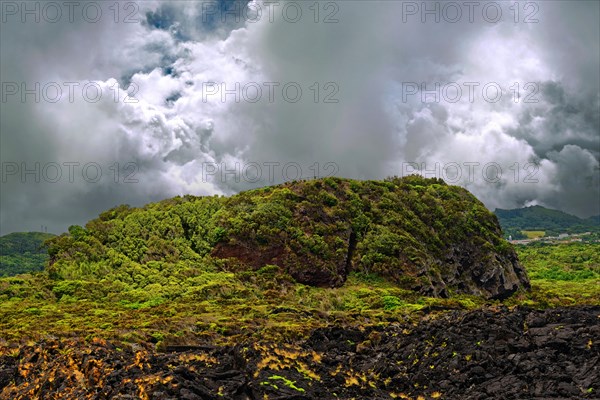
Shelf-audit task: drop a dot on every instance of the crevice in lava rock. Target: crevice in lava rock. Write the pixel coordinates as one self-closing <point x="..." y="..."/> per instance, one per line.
<point x="351" y="248"/>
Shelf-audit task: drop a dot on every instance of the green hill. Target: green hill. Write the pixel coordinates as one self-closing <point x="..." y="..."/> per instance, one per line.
<point x="594" y="220"/>
<point x="538" y="218"/>
<point x="23" y="252"/>
<point x="420" y="234"/>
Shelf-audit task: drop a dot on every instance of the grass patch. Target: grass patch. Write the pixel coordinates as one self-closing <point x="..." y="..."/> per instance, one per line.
<point x="534" y="234"/>
<point x="578" y="262"/>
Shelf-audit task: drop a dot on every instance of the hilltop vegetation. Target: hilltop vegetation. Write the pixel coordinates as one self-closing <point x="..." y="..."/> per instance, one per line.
<point x="420" y="234"/>
<point x="23" y="252"/>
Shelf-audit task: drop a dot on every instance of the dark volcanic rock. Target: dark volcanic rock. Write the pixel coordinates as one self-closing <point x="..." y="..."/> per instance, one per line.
<point x="496" y="277"/>
<point x="486" y="354"/>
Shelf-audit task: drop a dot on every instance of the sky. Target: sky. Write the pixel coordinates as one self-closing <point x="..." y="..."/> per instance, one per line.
<point x="105" y="103"/>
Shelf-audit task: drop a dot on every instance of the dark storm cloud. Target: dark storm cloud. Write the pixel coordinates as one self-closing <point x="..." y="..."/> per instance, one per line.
<point x="566" y="119"/>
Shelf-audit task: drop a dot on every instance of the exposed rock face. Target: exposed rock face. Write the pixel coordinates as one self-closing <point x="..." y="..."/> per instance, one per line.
<point x="494" y="277"/>
<point x="422" y="234"/>
<point x="484" y="354"/>
<point x="281" y="248"/>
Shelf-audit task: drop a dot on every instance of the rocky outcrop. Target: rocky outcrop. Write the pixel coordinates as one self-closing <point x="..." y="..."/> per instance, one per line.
<point x="420" y="233"/>
<point x="495" y="277"/>
<point x="485" y="354"/>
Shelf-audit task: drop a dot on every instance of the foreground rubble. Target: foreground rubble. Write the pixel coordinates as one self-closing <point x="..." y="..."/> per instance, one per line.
<point x="484" y="354"/>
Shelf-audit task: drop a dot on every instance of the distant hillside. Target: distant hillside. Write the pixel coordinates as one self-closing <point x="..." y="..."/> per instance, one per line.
<point x="418" y="233"/>
<point x="538" y="218"/>
<point x="23" y="252"/>
<point x="595" y="220"/>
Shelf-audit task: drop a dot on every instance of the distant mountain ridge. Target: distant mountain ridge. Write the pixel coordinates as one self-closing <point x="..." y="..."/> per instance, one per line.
<point x="538" y="218"/>
<point x="594" y="219"/>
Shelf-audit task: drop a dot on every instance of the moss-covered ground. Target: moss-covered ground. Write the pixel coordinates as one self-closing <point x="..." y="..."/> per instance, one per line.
<point x="231" y="307"/>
